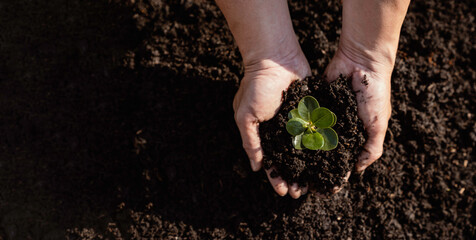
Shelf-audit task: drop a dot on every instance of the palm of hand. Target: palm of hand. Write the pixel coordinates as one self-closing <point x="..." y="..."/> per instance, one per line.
<point x="257" y="100"/>
<point x="371" y="83"/>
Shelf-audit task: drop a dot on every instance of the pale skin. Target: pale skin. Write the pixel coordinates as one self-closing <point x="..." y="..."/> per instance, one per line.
<point x="273" y="59"/>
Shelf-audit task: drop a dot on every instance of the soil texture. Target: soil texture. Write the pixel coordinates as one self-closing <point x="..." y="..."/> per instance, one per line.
<point x="323" y="170"/>
<point x="116" y="122"/>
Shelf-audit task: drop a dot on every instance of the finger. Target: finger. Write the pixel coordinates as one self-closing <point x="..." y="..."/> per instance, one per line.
<point x="304" y="190"/>
<point x="373" y="148"/>
<point x="347" y="176"/>
<point x="279" y="185"/>
<point x="248" y="127"/>
<point x="331" y="73"/>
<point x="336" y="68"/>
<point x="294" y="191"/>
<point x="339" y="188"/>
<point x="236" y="100"/>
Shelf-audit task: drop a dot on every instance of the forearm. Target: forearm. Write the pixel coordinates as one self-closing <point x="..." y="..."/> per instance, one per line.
<point x="373" y="25"/>
<point x="260" y="27"/>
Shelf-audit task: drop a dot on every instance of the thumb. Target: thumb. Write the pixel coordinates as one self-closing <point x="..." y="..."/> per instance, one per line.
<point x="248" y="126"/>
<point x="336" y="67"/>
<point x="373" y="147"/>
<point x="331" y="73"/>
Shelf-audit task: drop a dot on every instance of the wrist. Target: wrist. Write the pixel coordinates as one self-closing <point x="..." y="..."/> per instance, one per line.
<point x="264" y="35"/>
<point x="272" y="46"/>
<point x="371" y="30"/>
<point x="375" y="56"/>
<point x="286" y="56"/>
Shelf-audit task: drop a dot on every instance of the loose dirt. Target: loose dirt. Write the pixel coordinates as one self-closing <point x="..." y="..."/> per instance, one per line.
<point x="324" y="170"/>
<point x="116" y="122"/>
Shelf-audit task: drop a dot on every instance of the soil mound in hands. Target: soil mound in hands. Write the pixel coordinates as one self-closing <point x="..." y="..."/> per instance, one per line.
<point x="322" y="169"/>
<point x="117" y="123"/>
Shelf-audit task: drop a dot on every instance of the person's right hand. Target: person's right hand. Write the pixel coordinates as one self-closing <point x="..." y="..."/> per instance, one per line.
<point x="367" y="50"/>
<point x="371" y="84"/>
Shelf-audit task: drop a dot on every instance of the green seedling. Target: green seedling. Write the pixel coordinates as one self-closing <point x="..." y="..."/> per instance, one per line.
<point x="311" y="126"/>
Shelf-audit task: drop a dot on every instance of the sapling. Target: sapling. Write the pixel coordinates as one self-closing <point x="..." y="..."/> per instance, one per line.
<point x="311" y="126"/>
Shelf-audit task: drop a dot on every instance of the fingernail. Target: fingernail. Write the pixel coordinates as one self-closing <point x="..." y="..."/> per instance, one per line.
<point x="281" y="190"/>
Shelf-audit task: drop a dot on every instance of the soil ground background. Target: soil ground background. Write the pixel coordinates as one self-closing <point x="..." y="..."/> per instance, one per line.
<point x="116" y="122"/>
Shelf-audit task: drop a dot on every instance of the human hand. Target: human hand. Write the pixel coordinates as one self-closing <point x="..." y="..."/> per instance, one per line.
<point x="367" y="50"/>
<point x="371" y="84"/>
<point x="258" y="99"/>
<point x="273" y="59"/>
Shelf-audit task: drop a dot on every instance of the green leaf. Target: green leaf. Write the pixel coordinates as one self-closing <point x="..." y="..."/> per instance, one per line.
<point x="330" y="138"/>
<point x="322" y="117"/>
<point x="297" y="141"/>
<point x="313" y="141"/>
<point x="335" y="120"/>
<point x="296" y="126"/>
<point x="293" y="114"/>
<point x="306" y="106"/>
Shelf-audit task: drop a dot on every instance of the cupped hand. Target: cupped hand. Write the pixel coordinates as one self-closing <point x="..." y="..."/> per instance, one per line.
<point x="258" y="99"/>
<point x="371" y="84"/>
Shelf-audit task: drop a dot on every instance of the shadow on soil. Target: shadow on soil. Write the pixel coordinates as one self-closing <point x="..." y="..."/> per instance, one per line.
<point x="85" y="140"/>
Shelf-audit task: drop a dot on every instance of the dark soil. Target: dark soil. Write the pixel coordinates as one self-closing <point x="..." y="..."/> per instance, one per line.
<point x="116" y="123"/>
<point x="324" y="170"/>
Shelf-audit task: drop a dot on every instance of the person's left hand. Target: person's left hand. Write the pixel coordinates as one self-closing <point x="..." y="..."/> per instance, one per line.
<point x="257" y="100"/>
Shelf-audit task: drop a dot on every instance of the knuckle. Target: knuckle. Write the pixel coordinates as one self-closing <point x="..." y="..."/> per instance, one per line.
<point x="381" y="126"/>
<point x="377" y="155"/>
<point x="371" y="154"/>
<point x="378" y="130"/>
<point x="239" y="117"/>
<point x="242" y="121"/>
<point x="247" y="145"/>
<point x="242" y="118"/>
<point x="374" y="155"/>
